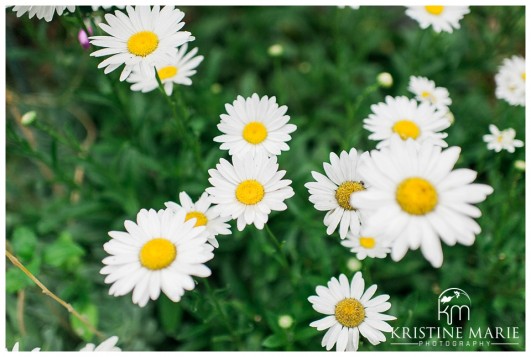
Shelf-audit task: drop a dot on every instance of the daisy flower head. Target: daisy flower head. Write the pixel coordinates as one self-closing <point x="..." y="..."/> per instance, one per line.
<point x="404" y="118"/>
<point x="204" y="215"/>
<point x="366" y="246"/>
<point x="351" y="311"/>
<point x="109" y="345"/>
<point x="45" y="12"/>
<point x="332" y="192"/>
<point x="175" y="70"/>
<point x="499" y="140"/>
<point x="255" y="125"/>
<point x="249" y="189"/>
<point x="417" y="198"/>
<point x="510" y="81"/>
<point x="160" y="252"/>
<point x="16" y="348"/>
<point x="141" y="39"/>
<point x="426" y="91"/>
<point x="441" y="18"/>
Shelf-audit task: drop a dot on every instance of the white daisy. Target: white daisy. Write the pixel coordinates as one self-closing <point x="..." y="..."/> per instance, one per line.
<point x="109" y="345"/>
<point x="510" y="81"/>
<point x="416" y="198"/>
<point x="332" y="192"/>
<point x="426" y="91"/>
<point x="106" y="7"/>
<point x="204" y="215"/>
<point x="498" y="140"/>
<point x="255" y="125"/>
<point x="45" y="12"/>
<point x="366" y="246"/>
<point x="249" y="189"/>
<point x="351" y="310"/>
<point x="16" y="348"/>
<point x="159" y="252"/>
<point x="405" y="118"/>
<point x="441" y="18"/>
<point x="143" y="38"/>
<point x="177" y="69"/>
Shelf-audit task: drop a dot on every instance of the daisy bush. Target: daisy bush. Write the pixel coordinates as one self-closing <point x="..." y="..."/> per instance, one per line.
<point x="261" y="178"/>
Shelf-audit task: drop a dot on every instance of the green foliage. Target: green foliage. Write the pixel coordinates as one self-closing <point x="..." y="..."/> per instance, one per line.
<point x="98" y="152"/>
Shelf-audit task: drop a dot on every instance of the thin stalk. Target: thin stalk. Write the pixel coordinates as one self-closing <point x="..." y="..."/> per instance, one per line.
<point x="47" y="292"/>
<point x="352" y="110"/>
<point x="223" y="314"/>
<point x="185" y="132"/>
<point x="81" y="22"/>
<point x="278" y="247"/>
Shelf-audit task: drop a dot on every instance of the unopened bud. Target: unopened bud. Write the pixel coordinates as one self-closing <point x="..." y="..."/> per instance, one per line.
<point x="275" y="50"/>
<point x="285" y="321"/>
<point x="28" y="118"/>
<point x="385" y="80"/>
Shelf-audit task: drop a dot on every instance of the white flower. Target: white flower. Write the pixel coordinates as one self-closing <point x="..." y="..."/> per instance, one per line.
<point x="498" y="140"/>
<point x="106" y="7"/>
<point x="510" y="81"/>
<point x="441" y="18"/>
<point x="16" y="348"/>
<point x="143" y="38"/>
<point x="426" y="91"/>
<point x="365" y="246"/>
<point x="109" y="345"/>
<point x="45" y="12"/>
<point x="405" y="118"/>
<point x="159" y="252"/>
<point x="416" y="198"/>
<point x="176" y="69"/>
<point x="204" y="215"/>
<point x="255" y="125"/>
<point x="332" y="192"/>
<point x="249" y="190"/>
<point x="351" y="310"/>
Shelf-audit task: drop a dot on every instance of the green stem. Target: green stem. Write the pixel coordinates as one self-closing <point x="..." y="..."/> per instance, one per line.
<point x="185" y="132"/>
<point x="283" y="258"/>
<point x="81" y="22"/>
<point x="223" y="314"/>
<point x="352" y="110"/>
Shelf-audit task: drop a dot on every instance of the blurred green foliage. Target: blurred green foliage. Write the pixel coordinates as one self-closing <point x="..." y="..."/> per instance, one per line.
<point x="98" y="152"/>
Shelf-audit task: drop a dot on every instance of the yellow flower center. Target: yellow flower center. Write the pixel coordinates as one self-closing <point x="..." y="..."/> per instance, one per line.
<point x="499" y="138"/>
<point x="406" y="129"/>
<point x="142" y="43"/>
<point x="425" y="94"/>
<point x="344" y="191"/>
<point x="523" y="76"/>
<point x="367" y="242"/>
<point x="350" y="312"/>
<point x="255" y="132"/>
<point x="250" y="192"/>
<point x="158" y="253"/>
<point x="167" y="72"/>
<point x="434" y="9"/>
<point x="201" y="219"/>
<point x="416" y="196"/>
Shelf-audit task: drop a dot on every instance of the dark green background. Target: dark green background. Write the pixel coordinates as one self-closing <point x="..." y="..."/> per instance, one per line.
<point x="136" y="160"/>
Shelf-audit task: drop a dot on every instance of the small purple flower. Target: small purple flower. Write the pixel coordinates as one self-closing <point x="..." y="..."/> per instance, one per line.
<point x="83" y="38"/>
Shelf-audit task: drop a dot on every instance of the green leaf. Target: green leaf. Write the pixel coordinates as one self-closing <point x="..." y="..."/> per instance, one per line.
<point x="24" y="243"/>
<point x="90" y="312"/>
<point x="275" y="341"/>
<point x="63" y="253"/>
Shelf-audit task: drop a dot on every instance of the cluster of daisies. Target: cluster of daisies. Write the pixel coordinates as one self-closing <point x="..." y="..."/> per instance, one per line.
<point x="405" y="194"/>
<point x="109" y="345"/>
